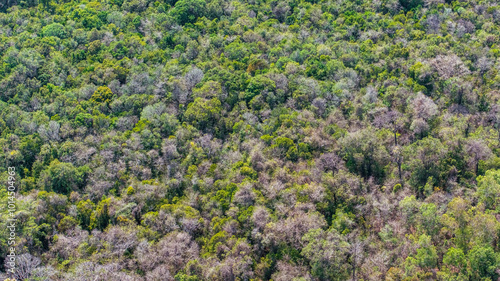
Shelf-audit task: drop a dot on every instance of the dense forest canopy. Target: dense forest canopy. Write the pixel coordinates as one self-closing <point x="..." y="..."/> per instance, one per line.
<point x="251" y="139"/>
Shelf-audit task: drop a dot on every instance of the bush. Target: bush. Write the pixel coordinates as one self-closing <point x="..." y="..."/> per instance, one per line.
<point x="55" y="29"/>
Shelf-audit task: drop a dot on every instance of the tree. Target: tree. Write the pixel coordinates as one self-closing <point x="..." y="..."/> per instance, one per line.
<point x="455" y="261"/>
<point x="26" y="264"/>
<point x="429" y="219"/>
<point x="258" y="85"/>
<point x="457" y="218"/>
<point x="327" y="253"/>
<point x="422" y="73"/>
<point x="356" y="254"/>
<point x="397" y="156"/>
<point x="421" y="158"/>
<point x="30" y="147"/>
<point x="459" y="91"/>
<point x="364" y="153"/>
<point x="410" y="4"/>
<point x="203" y="113"/>
<point x="50" y="132"/>
<point x="100" y="218"/>
<point x="103" y="94"/>
<point x="483" y="263"/>
<point x="477" y="151"/>
<point x="187" y="11"/>
<point x="62" y="177"/>
<point x="426" y="256"/>
<point x="391" y="119"/>
<point x="448" y="66"/>
<point x="493" y="117"/>
<point x="84" y="212"/>
<point x="424" y="107"/>
<point x="488" y="188"/>
<point x="55" y="29"/>
<point x="209" y="90"/>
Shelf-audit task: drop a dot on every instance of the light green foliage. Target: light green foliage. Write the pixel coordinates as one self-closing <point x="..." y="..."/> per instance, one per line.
<point x="102" y="95"/>
<point x="456" y="262"/>
<point x="203" y="113"/>
<point x="100" y="218"/>
<point x="483" y="263"/>
<point x="55" y="29"/>
<point x="85" y="209"/>
<point x="488" y="188"/>
<point x="426" y="256"/>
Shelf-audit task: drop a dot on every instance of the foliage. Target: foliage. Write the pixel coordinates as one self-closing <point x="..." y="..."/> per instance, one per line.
<point x="251" y="140"/>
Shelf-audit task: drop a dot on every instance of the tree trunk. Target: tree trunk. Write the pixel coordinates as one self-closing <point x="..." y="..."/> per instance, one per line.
<point x="400" y="174"/>
<point x="354" y="268"/>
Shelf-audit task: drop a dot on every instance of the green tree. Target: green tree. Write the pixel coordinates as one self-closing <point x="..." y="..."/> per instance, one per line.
<point x="202" y="113"/>
<point x="84" y="212"/>
<point x="455" y="260"/>
<point x="100" y="218"/>
<point x="62" y="177"/>
<point x="327" y="253"/>
<point x="55" y="29"/>
<point x="488" y="188"/>
<point x="483" y="263"/>
<point x="187" y="11"/>
<point x="365" y="154"/>
<point x="426" y="256"/>
<point x="103" y="94"/>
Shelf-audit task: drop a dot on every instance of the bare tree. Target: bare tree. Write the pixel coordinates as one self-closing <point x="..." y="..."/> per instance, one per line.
<point x="25" y="265"/>
<point x="424" y="107"/>
<point x="356" y="252"/>
<point x="160" y="273"/>
<point x="193" y="77"/>
<point x="43" y="273"/>
<point x="477" y="150"/>
<point x="493" y="117"/>
<point x="287" y="271"/>
<point x="449" y="66"/>
<point x="392" y="120"/>
<point x="397" y="156"/>
<point x="329" y="162"/>
<point x="50" y="132"/>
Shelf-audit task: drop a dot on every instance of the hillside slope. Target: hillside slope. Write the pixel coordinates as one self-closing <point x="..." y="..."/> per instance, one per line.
<point x="251" y="140"/>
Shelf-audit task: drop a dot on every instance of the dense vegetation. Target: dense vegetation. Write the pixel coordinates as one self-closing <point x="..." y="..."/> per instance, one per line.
<point x="252" y="140"/>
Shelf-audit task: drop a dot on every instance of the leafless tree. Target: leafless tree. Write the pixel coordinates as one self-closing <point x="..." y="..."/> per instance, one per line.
<point x="244" y="196"/>
<point x="329" y="162"/>
<point x="25" y="265"/>
<point x="160" y="273"/>
<point x="392" y="120"/>
<point x="175" y="250"/>
<point x="419" y="127"/>
<point x="433" y="23"/>
<point x="449" y="66"/>
<point x="291" y="229"/>
<point x="477" y="150"/>
<point x="287" y="271"/>
<point x="193" y="77"/>
<point x="493" y="117"/>
<point x="424" y="107"/>
<point x="44" y="273"/>
<point x="397" y="156"/>
<point x="50" y="132"/>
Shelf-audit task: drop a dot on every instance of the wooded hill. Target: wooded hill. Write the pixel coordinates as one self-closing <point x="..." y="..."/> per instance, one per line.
<point x="252" y="140"/>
